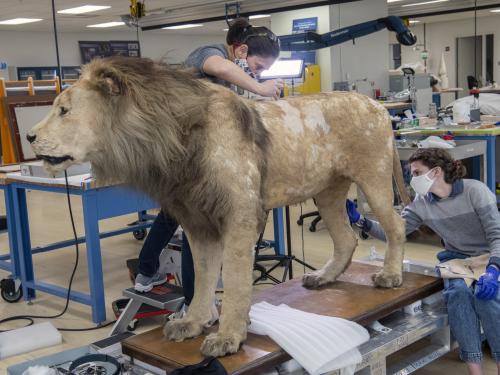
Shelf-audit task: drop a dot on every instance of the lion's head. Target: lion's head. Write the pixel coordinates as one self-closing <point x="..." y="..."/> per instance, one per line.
<point x="70" y="131"/>
<point x="121" y="114"/>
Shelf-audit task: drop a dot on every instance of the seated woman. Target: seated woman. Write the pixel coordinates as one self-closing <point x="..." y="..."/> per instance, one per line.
<point x="464" y="214"/>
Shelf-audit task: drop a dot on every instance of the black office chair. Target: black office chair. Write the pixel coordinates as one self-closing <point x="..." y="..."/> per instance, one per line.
<point x="317" y="219"/>
<point x="472" y="82"/>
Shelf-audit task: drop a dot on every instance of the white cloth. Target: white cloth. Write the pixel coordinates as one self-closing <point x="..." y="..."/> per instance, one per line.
<point x="40" y="370"/>
<point x="489" y="104"/>
<point x="319" y="343"/>
<point x="435" y="142"/>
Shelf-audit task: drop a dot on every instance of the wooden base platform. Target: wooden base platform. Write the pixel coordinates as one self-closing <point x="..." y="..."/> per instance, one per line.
<point x="352" y="297"/>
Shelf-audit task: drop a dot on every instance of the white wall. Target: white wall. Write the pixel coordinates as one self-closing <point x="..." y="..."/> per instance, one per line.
<point x="440" y="35"/>
<point x="281" y="24"/>
<point x="369" y="56"/>
<point x="38" y="48"/>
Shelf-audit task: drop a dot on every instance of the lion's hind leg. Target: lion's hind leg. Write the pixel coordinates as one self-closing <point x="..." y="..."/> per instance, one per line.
<point x="331" y="206"/>
<point x="380" y="196"/>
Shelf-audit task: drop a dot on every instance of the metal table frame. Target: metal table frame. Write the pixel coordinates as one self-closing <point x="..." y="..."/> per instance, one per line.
<point x="9" y="262"/>
<point x="491" y="141"/>
<point x="98" y="204"/>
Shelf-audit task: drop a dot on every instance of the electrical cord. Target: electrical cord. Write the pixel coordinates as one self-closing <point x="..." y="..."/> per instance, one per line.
<point x="303" y="252"/>
<point x="30" y="318"/>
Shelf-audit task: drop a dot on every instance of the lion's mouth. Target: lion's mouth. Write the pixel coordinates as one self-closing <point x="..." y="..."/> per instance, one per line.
<point x="54" y="160"/>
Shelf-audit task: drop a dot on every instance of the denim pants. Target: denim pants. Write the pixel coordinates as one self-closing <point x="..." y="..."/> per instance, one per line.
<point x="159" y="235"/>
<point x="466" y="314"/>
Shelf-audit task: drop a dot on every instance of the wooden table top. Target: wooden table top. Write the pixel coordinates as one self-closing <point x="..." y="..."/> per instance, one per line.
<point x="396" y="105"/>
<point x="449" y="90"/>
<point x="456" y="130"/>
<point x="353" y="297"/>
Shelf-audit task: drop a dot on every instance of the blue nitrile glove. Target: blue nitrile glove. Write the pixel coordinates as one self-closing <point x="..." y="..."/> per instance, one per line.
<point x="353" y="214"/>
<point x="487" y="286"/>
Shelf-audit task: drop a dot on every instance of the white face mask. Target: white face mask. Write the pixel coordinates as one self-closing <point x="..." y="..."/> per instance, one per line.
<point x="243" y="64"/>
<point x="422" y="184"/>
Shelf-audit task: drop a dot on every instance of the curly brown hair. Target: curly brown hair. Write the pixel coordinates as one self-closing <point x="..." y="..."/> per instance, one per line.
<point x="438" y="157"/>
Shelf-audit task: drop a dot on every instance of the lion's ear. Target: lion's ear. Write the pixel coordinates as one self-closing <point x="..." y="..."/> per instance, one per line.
<point x="112" y="83"/>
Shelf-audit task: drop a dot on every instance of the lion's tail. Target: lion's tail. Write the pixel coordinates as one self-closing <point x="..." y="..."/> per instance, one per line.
<point x="398" y="177"/>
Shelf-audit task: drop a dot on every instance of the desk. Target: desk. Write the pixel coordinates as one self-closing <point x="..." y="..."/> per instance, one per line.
<point x="396" y="107"/>
<point x="98" y="203"/>
<point x="489" y="90"/>
<point x="460" y="133"/>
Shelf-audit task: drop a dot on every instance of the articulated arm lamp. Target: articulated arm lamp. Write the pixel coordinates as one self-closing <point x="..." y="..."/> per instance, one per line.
<point x="311" y="41"/>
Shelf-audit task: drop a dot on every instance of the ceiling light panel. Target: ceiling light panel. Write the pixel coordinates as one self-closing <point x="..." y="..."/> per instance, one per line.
<point x="20" y="21"/>
<point x="84" y="9"/>
<point x="107" y="24"/>
<point x="256" y="16"/>
<point x="185" y="26"/>
<point x="423" y="3"/>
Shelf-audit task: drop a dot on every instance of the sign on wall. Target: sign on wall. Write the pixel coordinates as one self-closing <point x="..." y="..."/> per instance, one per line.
<point x="92" y="49"/>
<point x="303" y="25"/>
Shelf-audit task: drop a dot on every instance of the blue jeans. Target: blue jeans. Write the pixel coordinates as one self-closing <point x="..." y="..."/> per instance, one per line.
<point x="466" y="314"/>
<point x="159" y="235"/>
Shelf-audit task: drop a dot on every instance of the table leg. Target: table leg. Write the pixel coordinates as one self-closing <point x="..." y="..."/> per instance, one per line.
<point x="14" y="266"/>
<point x="126" y="317"/>
<point x="94" y="261"/>
<point x="279" y="233"/>
<point x="491" y="162"/>
<point x="19" y="209"/>
<point x="477" y="170"/>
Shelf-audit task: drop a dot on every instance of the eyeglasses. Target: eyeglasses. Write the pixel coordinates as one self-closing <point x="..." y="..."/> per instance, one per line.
<point x="272" y="37"/>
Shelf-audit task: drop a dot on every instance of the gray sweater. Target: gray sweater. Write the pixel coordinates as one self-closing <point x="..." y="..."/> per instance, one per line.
<point x="468" y="220"/>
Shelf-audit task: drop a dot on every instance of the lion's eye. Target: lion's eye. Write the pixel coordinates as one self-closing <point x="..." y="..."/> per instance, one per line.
<point x="63" y="111"/>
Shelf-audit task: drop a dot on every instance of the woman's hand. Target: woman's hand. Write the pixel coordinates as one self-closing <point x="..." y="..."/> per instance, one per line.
<point x="271" y="88"/>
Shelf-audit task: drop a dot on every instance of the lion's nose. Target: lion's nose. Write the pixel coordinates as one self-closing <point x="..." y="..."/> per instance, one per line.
<point x="30" y="137"/>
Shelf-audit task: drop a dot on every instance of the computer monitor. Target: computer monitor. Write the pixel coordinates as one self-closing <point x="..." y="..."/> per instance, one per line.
<point x="284" y="69"/>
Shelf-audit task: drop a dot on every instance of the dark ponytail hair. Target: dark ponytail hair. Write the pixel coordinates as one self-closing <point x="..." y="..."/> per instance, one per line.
<point x="438" y="157"/>
<point x="260" y="40"/>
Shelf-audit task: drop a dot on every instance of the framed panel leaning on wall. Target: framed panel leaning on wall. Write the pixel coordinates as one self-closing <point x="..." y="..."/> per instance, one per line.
<point x="24" y="112"/>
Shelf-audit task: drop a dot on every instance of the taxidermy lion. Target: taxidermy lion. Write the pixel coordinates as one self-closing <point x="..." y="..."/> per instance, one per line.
<point x="218" y="162"/>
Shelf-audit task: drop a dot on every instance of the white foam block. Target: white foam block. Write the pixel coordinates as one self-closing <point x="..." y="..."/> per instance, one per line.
<point x="27" y="339"/>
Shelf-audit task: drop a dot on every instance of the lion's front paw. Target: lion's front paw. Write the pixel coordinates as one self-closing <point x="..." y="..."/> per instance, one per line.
<point x="387" y="280"/>
<point x="219" y="344"/>
<point x="180" y="329"/>
<point x="315" y="279"/>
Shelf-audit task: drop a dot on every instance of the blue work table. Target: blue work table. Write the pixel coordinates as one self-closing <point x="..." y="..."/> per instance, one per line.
<point x="489" y="135"/>
<point x="98" y="203"/>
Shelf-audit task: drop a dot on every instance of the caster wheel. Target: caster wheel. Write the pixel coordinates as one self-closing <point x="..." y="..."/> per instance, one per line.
<point x="9" y="292"/>
<point x="133" y="325"/>
<point x="140" y="234"/>
<point x="312" y="229"/>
